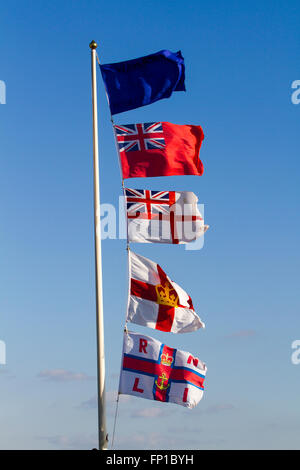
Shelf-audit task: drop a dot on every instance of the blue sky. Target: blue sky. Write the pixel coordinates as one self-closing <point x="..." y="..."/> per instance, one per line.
<point x="241" y="59"/>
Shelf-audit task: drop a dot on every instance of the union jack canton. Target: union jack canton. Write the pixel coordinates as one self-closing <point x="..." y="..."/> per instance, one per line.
<point x="147" y="204"/>
<point x="139" y="137"/>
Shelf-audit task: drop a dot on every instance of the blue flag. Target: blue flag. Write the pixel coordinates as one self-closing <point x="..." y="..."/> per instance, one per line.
<point x="138" y="82"/>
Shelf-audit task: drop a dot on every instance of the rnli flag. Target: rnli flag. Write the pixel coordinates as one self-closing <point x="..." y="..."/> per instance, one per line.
<point x="163" y="216"/>
<point x="157" y="302"/>
<point x="138" y="82"/>
<point x="159" y="149"/>
<point x="155" y="371"/>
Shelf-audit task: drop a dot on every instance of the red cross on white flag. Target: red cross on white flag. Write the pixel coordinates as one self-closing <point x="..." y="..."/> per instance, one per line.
<point x="157" y="302"/>
<point x="163" y="216"/>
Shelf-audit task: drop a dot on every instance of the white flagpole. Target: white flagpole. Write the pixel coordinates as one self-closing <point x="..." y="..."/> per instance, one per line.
<point x="103" y="439"/>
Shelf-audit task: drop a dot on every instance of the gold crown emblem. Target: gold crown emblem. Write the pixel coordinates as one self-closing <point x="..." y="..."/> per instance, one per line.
<point x="166" y="360"/>
<point x="166" y="294"/>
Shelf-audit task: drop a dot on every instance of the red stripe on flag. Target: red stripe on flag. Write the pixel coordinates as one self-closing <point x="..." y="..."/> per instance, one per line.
<point x="162" y="275"/>
<point x="143" y="290"/>
<point x="139" y="365"/>
<point x="165" y="318"/>
<point x="153" y="368"/>
<point x="185" y="395"/>
<point x="173" y="228"/>
<point x="162" y="384"/>
<point x="172" y="197"/>
<point x="166" y="313"/>
<point x="188" y="375"/>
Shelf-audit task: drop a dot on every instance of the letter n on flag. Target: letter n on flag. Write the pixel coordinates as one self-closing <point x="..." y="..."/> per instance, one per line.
<point x="154" y="371"/>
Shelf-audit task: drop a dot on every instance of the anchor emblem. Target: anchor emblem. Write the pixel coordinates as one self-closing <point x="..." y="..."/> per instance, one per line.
<point x="163" y="378"/>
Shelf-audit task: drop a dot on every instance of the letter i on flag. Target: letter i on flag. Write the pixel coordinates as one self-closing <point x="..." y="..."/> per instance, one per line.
<point x="155" y="371"/>
<point x="157" y="302"/>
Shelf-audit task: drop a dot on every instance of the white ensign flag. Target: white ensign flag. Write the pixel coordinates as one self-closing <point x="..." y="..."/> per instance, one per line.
<point x="163" y="216"/>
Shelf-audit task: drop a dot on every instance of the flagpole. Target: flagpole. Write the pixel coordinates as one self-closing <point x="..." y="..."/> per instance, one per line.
<point x="103" y="439"/>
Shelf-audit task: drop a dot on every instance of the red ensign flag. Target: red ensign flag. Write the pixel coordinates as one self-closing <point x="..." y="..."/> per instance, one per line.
<point x="159" y="149"/>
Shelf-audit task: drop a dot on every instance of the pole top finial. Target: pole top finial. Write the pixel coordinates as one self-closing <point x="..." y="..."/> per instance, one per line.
<point x="93" y="45"/>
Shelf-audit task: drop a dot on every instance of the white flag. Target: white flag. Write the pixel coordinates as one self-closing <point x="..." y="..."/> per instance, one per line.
<point x="155" y="371"/>
<point x="157" y="302"/>
<point x="163" y="216"/>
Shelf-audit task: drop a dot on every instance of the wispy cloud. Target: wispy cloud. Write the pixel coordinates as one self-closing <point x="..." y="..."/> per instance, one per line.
<point x="219" y="408"/>
<point x="78" y="441"/>
<point x="155" y="440"/>
<point x="152" y="440"/>
<point x="110" y="397"/>
<point x="149" y="413"/>
<point x="187" y="429"/>
<point x="89" y="404"/>
<point x="62" y="375"/>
